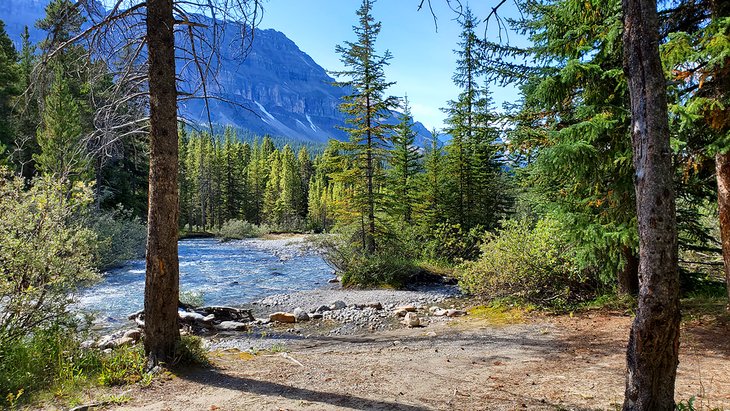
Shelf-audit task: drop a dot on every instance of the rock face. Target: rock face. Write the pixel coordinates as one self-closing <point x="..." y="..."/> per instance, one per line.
<point x="287" y="93"/>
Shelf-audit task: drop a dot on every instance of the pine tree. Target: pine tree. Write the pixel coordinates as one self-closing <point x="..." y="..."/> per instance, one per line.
<point x="306" y="171"/>
<point x="462" y="122"/>
<point x="365" y="108"/>
<point x="433" y="184"/>
<point x="9" y="87"/>
<point x="272" y="193"/>
<point x="62" y="153"/>
<point x="405" y="163"/>
<point x="574" y="120"/>
<point x="28" y="114"/>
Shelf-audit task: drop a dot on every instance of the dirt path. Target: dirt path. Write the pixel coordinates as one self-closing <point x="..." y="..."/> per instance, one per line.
<point x="466" y="364"/>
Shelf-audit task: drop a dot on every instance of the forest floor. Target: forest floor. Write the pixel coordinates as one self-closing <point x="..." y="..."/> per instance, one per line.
<point x="532" y="361"/>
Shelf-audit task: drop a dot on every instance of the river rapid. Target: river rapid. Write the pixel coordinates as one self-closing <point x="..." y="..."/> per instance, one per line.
<point x="229" y="273"/>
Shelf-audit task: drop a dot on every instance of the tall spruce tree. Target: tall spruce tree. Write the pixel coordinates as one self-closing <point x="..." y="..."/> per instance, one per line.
<point x="62" y="152"/>
<point x="9" y="89"/>
<point x="574" y="122"/>
<point x="365" y="108"/>
<point x="405" y="163"/>
<point x="465" y="124"/>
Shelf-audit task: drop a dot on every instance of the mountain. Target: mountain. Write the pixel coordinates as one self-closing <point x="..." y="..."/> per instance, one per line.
<point x="277" y="89"/>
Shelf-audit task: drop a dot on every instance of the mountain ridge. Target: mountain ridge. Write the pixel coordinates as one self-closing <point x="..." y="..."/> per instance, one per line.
<point x="278" y="89"/>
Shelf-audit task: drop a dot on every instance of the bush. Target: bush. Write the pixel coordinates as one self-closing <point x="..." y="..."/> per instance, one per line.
<point x="391" y="266"/>
<point x="239" y="229"/>
<point x="450" y="243"/>
<point x="45" y="254"/>
<point x="120" y="237"/>
<point x="533" y="264"/>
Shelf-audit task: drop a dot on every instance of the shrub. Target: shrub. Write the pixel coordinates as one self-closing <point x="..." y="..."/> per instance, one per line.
<point x="391" y="266"/>
<point x="45" y="253"/>
<point x="450" y="243"/>
<point x="190" y="351"/>
<point x="531" y="263"/>
<point x="120" y="237"/>
<point x="239" y="229"/>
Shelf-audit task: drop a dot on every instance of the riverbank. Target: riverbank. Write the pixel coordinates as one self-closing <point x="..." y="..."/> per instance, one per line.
<point x="474" y="362"/>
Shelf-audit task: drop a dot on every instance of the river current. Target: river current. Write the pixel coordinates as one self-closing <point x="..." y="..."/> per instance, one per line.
<point x="222" y="273"/>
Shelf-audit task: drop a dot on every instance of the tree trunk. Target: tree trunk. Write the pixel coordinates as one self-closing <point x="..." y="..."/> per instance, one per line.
<point x="653" y="349"/>
<point x="161" y="284"/>
<point x="722" y="167"/>
<point x="628" y="278"/>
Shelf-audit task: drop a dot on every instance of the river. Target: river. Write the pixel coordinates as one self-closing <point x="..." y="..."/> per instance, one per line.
<point x="224" y="273"/>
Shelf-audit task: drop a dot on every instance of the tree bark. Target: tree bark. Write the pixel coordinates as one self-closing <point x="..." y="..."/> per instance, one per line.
<point x="628" y="278"/>
<point x="161" y="283"/>
<point x="652" y="354"/>
<point x="722" y="168"/>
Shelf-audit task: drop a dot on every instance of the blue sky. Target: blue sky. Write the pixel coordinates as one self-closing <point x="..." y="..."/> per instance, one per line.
<point x="423" y="59"/>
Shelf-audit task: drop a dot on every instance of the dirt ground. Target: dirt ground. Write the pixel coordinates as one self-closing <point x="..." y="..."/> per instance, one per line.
<point x="469" y="363"/>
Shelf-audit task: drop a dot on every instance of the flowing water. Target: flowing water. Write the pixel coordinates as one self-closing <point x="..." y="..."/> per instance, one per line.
<point x="230" y="273"/>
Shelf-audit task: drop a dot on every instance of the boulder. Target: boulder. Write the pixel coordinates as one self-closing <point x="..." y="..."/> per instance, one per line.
<point x="316" y="316"/>
<point x="104" y="342"/>
<point x="375" y="305"/>
<point x="283" y="317"/>
<point x="440" y="312"/>
<point x="301" y="315"/>
<point x="434" y="308"/>
<point x="411" y="320"/>
<point x="455" y="313"/>
<point x="400" y="312"/>
<point x="333" y="280"/>
<point x="231" y="326"/>
<point x="134" y="334"/>
<point x="407" y="308"/>
<point x="338" y="305"/>
<point x="322" y="308"/>
<point x="195" y="318"/>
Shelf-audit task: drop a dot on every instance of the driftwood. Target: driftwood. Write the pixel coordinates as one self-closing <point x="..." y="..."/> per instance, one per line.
<point x="204" y="319"/>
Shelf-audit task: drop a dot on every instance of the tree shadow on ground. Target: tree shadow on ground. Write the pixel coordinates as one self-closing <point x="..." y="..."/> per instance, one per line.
<point x="216" y="378"/>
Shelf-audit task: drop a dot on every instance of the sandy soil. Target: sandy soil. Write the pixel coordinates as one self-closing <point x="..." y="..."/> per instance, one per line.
<point x="467" y="363"/>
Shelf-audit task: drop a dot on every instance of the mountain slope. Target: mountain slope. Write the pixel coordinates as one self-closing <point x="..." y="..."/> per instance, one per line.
<point x="277" y="89"/>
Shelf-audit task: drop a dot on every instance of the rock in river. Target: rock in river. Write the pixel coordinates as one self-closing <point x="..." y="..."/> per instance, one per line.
<point x="283" y="317"/>
<point x="301" y="315"/>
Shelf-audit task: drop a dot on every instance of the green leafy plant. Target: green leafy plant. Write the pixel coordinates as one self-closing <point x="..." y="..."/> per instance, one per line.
<point x="531" y="263"/>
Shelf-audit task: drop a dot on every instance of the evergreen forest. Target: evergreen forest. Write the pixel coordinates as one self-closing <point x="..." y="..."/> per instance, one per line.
<point x="545" y="202"/>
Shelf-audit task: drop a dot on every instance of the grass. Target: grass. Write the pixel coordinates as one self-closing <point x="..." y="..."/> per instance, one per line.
<point x="50" y="367"/>
<point x="500" y="313"/>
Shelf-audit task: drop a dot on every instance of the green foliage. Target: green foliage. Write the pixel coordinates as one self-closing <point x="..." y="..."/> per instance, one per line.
<point x="120" y="237"/>
<point x="62" y="152"/>
<point x="45" y="253"/>
<point x="531" y="263"/>
<point x="192" y="298"/>
<point x="452" y="244"/>
<point x="122" y="366"/>
<point x="366" y="108"/>
<point x="191" y="352"/>
<point x="405" y="162"/>
<point x="51" y="360"/>
<point x="239" y="229"/>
